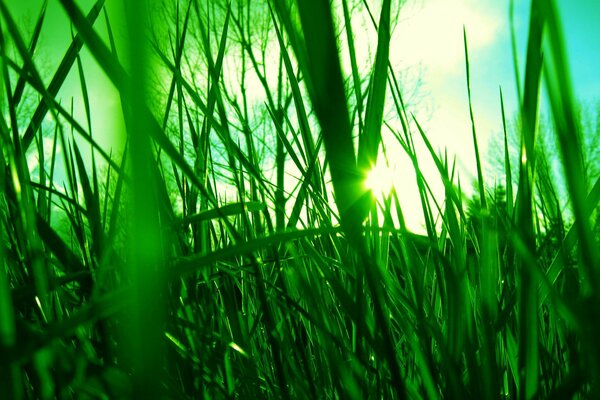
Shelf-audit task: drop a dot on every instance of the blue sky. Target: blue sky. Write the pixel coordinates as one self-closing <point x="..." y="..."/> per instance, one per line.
<point x="491" y="56"/>
<point x="437" y="46"/>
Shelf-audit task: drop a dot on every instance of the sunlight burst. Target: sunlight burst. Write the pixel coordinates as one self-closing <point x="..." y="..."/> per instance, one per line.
<point x="380" y="180"/>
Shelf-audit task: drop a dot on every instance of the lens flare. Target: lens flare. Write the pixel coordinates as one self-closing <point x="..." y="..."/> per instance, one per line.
<point x="380" y="180"/>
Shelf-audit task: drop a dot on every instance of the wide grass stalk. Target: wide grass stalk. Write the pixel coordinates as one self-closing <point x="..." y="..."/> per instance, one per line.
<point x="10" y="374"/>
<point x="528" y="295"/>
<point x="143" y="348"/>
<point x="568" y="131"/>
<point x="329" y="102"/>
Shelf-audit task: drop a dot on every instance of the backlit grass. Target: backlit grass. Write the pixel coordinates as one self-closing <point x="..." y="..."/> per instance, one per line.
<point x="236" y="248"/>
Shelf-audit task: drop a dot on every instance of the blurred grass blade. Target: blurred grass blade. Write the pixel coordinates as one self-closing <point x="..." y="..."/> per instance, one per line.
<point x="329" y="103"/>
<point x="143" y="349"/>
<point x="10" y="374"/>
<point x="528" y="294"/>
<point x="568" y="131"/>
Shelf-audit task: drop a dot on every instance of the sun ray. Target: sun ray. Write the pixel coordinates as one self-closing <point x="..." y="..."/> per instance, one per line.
<point x="380" y="180"/>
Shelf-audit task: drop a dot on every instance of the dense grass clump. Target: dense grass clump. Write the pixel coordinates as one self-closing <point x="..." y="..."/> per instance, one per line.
<point x="227" y="247"/>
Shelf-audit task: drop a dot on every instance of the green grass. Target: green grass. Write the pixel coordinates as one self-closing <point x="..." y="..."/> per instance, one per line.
<point x="231" y="250"/>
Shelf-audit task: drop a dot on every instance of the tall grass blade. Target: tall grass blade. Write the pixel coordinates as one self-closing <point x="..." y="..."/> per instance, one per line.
<point x="480" y="181"/>
<point x="528" y="296"/>
<point x="370" y="138"/>
<point x="144" y="333"/>
<point x="507" y="166"/>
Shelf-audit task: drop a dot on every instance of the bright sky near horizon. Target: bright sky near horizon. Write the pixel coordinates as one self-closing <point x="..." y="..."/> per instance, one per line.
<point x="491" y="65"/>
<point x="429" y="38"/>
<point x="433" y="30"/>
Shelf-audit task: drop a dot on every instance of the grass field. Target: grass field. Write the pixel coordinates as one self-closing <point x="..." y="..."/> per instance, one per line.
<point x="230" y="249"/>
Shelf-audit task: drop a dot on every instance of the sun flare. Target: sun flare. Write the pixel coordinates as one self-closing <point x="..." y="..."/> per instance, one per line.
<point x="380" y="180"/>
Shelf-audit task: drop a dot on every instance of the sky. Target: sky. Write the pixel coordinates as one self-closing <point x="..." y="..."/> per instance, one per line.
<point x="430" y="36"/>
<point x="438" y="47"/>
<point x="427" y="42"/>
